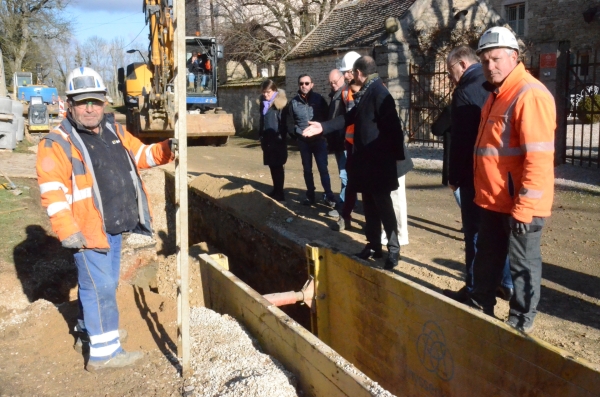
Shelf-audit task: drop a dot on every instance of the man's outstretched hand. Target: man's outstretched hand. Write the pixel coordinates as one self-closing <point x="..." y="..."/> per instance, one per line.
<point x="314" y="128"/>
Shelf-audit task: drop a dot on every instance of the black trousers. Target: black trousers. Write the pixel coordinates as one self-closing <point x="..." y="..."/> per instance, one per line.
<point x="278" y="176"/>
<point x="379" y="209"/>
<point x="495" y="241"/>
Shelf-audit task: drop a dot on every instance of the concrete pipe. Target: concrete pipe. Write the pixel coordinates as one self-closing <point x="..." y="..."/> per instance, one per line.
<point x="6" y="105"/>
<point x="8" y="132"/>
<point x="20" y="134"/>
<point x="17" y="108"/>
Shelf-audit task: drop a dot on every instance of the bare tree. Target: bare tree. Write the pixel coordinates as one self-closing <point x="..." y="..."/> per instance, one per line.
<point x="263" y="31"/>
<point x="23" y="22"/>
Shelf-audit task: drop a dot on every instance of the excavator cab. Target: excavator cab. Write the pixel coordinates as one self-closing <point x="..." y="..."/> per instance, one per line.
<point x="201" y="59"/>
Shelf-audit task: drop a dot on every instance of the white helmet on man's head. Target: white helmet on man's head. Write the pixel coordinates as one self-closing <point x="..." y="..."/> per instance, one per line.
<point x="497" y="37"/>
<point x="85" y="83"/>
<point x="348" y="61"/>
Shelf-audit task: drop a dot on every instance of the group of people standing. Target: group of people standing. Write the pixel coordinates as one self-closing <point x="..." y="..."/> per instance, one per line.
<point x="501" y="158"/>
<point x="500" y="164"/>
<point x="361" y="127"/>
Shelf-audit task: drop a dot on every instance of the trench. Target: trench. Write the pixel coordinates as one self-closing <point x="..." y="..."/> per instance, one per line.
<point x="261" y="257"/>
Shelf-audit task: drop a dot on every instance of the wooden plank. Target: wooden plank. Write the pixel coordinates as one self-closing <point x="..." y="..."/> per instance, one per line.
<point x="319" y="318"/>
<point x="381" y="323"/>
<point x="181" y="192"/>
<point x="319" y="369"/>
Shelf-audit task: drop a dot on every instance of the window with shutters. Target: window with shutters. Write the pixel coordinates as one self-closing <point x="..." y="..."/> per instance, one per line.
<point x="515" y="16"/>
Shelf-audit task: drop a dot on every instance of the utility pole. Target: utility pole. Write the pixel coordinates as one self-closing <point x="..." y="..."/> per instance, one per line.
<point x="212" y="19"/>
<point x="181" y="192"/>
<point x="3" y="92"/>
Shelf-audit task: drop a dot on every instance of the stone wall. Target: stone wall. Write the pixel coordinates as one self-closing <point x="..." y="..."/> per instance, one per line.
<point x="242" y="102"/>
<point x="554" y="21"/>
<point x="241" y="99"/>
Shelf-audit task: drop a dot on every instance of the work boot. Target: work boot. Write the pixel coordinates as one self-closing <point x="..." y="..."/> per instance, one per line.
<point x="308" y="201"/>
<point x="520" y="325"/>
<point x="392" y="260"/>
<point x="368" y="253"/>
<point x="341" y="224"/>
<point x="504" y="293"/>
<point x="459" y="296"/>
<point x="123" y="359"/>
<point x="489" y="310"/>
<point x="84" y="338"/>
<point x="277" y="196"/>
<point x="329" y="203"/>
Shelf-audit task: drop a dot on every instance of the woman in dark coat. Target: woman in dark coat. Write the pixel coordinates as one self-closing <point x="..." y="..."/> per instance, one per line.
<point x="273" y="135"/>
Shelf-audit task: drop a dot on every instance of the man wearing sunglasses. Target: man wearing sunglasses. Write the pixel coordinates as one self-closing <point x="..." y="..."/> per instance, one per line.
<point x="88" y="172"/>
<point x="305" y="107"/>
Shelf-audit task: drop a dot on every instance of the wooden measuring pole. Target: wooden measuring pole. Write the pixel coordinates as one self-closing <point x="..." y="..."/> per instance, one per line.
<point x="181" y="192"/>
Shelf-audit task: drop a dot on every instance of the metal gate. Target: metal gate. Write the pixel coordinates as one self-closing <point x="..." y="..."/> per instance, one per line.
<point x="430" y="92"/>
<point x="583" y="115"/>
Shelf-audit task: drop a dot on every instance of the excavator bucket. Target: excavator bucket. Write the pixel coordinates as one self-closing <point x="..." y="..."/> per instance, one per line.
<point x="210" y="124"/>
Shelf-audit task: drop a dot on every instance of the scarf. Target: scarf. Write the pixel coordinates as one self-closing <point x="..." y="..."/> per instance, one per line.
<point x="267" y="104"/>
<point x="370" y="80"/>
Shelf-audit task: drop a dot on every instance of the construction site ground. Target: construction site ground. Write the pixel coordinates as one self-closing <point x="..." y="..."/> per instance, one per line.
<point x="36" y="354"/>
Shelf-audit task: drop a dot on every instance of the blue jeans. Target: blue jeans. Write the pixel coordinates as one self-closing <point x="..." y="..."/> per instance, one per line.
<point x="98" y="277"/>
<point x="471" y="220"/>
<point x="318" y="149"/>
<point x="457" y="196"/>
<point x="340" y="158"/>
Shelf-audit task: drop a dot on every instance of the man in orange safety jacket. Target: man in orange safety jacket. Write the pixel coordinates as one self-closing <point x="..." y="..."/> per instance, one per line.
<point x="514" y="178"/>
<point x="88" y="172"/>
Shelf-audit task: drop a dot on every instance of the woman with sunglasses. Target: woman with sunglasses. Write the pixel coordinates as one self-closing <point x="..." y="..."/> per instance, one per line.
<point x="272" y="134"/>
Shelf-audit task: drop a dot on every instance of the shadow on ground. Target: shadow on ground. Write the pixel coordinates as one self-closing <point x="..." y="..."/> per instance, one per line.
<point x="45" y="269"/>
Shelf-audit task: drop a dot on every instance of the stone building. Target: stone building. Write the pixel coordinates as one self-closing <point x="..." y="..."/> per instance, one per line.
<point x="544" y="21"/>
<point x="396" y="33"/>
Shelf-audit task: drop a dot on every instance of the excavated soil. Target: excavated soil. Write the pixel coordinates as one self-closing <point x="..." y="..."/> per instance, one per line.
<point x="36" y="355"/>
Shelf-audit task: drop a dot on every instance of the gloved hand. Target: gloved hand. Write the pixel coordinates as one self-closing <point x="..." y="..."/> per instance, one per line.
<point x="74" y="241"/>
<point x="173" y="144"/>
<point x="518" y="226"/>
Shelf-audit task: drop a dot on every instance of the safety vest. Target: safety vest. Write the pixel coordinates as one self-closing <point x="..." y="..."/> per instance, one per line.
<point x="68" y="186"/>
<point x="514" y="151"/>
<point x="348" y="98"/>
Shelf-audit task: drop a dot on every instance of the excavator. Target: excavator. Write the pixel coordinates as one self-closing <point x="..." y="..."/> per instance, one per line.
<point x="148" y="88"/>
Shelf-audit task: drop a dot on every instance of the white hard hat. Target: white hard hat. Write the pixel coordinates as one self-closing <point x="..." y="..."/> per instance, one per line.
<point x="497" y="37"/>
<point x="85" y="83"/>
<point x="348" y="61"/>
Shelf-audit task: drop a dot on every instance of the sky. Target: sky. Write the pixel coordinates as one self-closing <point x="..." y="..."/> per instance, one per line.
<point x="109" y="19"/>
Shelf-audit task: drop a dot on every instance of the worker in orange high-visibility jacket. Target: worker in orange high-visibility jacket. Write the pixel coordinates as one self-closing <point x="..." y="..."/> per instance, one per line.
<point x="88" y="172"/>
<point x="514" y="178"/>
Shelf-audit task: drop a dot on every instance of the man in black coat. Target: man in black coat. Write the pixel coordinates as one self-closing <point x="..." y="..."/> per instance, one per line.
<point x="468" y="98"/>
<point x="378" y="144"/>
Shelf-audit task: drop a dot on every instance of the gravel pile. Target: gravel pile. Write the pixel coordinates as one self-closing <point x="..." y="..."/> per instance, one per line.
<point x="226" y="361"/>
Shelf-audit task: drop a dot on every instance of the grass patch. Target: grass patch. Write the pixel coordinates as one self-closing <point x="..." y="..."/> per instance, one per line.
<point x="23" y="147"/>
<point x="16" y="213"/>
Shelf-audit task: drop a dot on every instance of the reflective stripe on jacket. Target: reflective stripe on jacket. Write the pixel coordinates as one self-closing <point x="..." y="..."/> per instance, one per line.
<point x="348" y="98"/>
<point x="68" y="186"/>
<point x="514" y="151"/>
